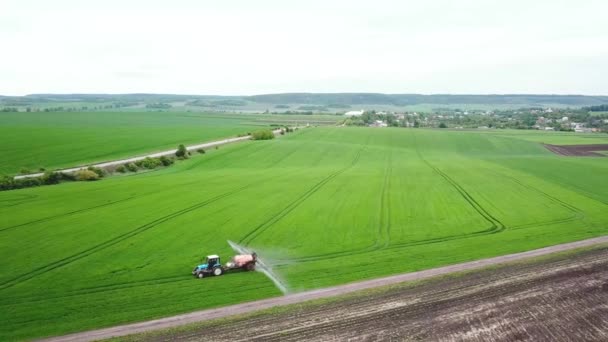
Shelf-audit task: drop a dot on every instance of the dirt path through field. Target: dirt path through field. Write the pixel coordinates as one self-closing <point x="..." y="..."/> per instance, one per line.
<point x="152" y="155"/>
<point x="249" y="307"/>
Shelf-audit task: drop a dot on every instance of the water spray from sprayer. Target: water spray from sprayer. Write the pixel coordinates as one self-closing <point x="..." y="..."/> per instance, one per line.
<point x="262" y="266"/>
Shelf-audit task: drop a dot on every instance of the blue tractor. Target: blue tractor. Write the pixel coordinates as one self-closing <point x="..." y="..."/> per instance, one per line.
<point x="212" y="266"/>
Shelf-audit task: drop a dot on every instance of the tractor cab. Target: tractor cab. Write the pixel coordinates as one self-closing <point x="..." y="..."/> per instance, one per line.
<point x="212" y="266"/>
<point x="212" y="261"/>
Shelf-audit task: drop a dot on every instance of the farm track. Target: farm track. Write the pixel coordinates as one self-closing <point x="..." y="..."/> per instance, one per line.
<point x="496" y="227"/>
<point x="582" y="192"/>
<point x="18" y="201"/>
<point x="48" y="218"/>
<point x="578" y="214"/>
<point x="385" y="204"/>
<point x="186" y="279"/>
<point x="295" y="203"/>
<point x="111" y="242"/>
<point x="404" y="310"/>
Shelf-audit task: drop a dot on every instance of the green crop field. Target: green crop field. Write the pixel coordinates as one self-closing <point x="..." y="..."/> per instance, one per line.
<point x="324" y="206"/>
<point x="52" y="140"/>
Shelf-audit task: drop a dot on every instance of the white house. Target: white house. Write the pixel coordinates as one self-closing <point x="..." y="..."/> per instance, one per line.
<point x="355" y="113"/>
<point x="378" y="123"/>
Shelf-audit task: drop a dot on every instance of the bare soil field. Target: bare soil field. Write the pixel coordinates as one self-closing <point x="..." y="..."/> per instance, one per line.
<point x="578" y="150"/>
<point x="564" y="298"/>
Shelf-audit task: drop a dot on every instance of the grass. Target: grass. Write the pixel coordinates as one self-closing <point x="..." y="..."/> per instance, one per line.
<point x="52" y="140"/>
<point x="325" y="206"/>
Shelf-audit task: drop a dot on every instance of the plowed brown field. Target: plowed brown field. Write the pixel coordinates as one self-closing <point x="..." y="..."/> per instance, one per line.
<point x="578" y="150"/>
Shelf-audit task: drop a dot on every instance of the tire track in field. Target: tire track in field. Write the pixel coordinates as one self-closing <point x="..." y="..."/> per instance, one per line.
<point x="111" y="242"/>
<point x="385" y="203"/>
<point x="496" y="226"/>
<point x="20" y="199"/>
<point x="107" y="288"/>
<point x="578" y="214"/>
<point x="49" y="218"/>
<point x="14" y="300"/>
<point x="294" y="204"/>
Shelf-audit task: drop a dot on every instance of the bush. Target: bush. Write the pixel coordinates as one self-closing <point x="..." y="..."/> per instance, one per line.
<point x="166" y="161"/>
<point x="50" y="177"/>
<point x="6" y="183"/>
<point x="28" y="182"/>
<point x="68" y="176"/>
<point x="181" y="151"/>
<point x="24" y="171"/>
<point x="121" y="169"/>
<point x="443" y="125"/>
<point x="201" y="151"/>
<point x="86" y="175"/>
<point x="41" y="169"/>
<point x="264" y="134"/>
<point x="131" y="167"/>
<point x="150" y="163"/>
<point x="100" y="172"/>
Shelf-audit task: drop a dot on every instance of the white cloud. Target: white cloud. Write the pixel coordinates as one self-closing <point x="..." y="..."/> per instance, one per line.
<point x="250" y="47"/>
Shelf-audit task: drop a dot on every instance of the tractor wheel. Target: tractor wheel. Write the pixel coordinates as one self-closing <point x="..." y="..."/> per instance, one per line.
<point x="200" y="275"/>
<point x="218" y="271"/>
<point x="250" y="267"/>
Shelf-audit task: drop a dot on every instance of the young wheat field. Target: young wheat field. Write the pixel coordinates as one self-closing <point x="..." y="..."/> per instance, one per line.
<point x="323" y="206"/>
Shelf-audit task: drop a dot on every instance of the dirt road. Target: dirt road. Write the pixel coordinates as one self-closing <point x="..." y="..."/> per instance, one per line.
<point x="249" y="307"/>
<point x="152" y="155"/>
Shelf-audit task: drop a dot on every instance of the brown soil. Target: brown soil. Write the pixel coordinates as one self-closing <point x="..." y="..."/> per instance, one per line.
<point x="561" y="299"/>
<point x="578" y="150"/>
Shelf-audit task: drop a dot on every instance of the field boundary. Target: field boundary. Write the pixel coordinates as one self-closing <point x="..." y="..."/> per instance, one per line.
<point x="222" y="312"/>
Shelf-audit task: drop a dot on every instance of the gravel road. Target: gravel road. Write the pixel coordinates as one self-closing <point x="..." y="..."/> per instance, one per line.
<point x="300" y="297"/>
<point x="152" y="155"/>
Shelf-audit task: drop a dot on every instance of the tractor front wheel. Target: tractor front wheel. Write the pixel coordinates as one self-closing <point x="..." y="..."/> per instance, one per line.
<point x="200" y="275"/>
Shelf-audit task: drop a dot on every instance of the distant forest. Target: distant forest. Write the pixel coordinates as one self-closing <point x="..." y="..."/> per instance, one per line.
<point x="600" y="108"/>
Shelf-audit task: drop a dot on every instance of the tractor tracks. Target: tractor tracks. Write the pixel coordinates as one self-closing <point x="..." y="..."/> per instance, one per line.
<point x="49" y="218"/>
<point x="577" y="213"/>
<point x="294" y="204"/>
<point x="111" y="242"/>
<point x="496" y="226"/>
<point x="385" y="205"/>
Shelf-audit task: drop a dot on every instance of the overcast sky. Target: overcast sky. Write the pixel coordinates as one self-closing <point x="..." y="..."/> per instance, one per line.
<point x="233" y="47"/>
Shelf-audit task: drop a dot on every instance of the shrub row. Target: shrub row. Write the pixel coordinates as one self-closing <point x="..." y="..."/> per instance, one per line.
<point x="147" y="163"/>
<point x="264" y="134"/>
<point x="91" y="173"/>
<point x="49" y="177"/>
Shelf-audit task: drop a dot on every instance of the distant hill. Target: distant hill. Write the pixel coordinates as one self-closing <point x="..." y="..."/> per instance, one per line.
<point x="327" y="100"/>
<point x="412" y="99"/>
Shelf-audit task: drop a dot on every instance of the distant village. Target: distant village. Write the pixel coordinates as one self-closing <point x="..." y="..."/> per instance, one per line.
<point x="547" y="119"/>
